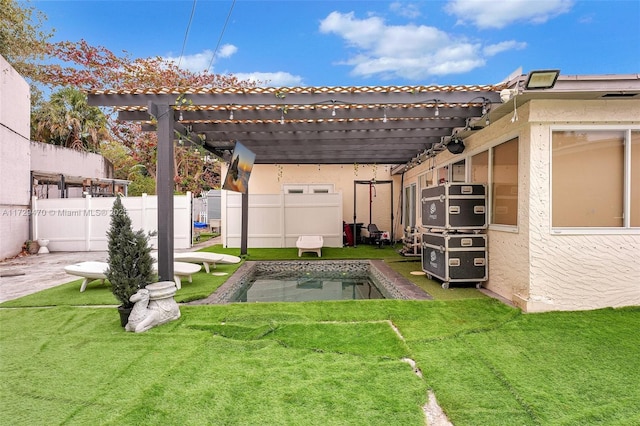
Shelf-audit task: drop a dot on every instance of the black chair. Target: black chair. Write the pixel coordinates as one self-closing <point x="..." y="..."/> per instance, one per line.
<point x="375" y="235"/>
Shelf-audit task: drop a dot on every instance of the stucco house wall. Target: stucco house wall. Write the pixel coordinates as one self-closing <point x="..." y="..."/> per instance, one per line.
<point x="508" y="248"/>
<point x="19" y="156"/>
<point x="577" y="271"/>
<point x="48" y="158"/>
<point x="15" y="102"/>
<point x="531" y="265"/>
<point x="56" y="159"/>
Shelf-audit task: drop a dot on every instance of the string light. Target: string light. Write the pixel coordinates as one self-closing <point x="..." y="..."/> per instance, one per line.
<point x="180" y="118"/>
<point x="230" y="114"/>
<point x="384" y="117"/>
<point x="437" y="111"/>
<point x="281" y="117"/>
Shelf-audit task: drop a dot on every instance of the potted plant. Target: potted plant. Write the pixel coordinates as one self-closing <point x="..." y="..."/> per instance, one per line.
<point x="30" y="247"/>
<point x="130" y="263"/>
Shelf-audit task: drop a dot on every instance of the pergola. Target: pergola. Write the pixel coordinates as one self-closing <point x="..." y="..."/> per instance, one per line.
<point x="312" y="125"/>
<point x="332" y="125"/>
<point x="297" y="125"/>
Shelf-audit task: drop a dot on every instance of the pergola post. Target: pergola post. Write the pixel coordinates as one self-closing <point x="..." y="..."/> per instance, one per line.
<point x="245" y="223"/>
<point x="164" y="189"/>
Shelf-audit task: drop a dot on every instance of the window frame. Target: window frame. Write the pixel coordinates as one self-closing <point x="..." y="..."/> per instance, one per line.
<point x="469" y="165"/>
<point x="410" y="205"/>
<point x="308" y="188"/>
<point x="626" y="229"/>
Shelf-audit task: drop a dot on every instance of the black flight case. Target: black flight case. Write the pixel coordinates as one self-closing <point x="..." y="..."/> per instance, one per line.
<point x="455" y="257"/>
<point x="455" y="206"/>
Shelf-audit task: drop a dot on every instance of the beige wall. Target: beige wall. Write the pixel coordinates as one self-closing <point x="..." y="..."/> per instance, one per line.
<point x="269" y="179"/>
<point x="581" y="271"/>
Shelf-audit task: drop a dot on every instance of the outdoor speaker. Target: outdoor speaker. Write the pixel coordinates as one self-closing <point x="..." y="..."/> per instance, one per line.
<point x="456" y="146"/>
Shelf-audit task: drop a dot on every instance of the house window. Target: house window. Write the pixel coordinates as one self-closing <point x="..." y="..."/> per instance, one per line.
<point x="458" y="172"/>
<point x="634" y="181"/>
<point x="313" y="188"/>
<point x="443" y="175"/>
<point x="424" y="181"/>
<point x="595" y="179"/>
<point x="504" y="183"/>
<point x="480" y="168"/>
<point x="409" y="218"/>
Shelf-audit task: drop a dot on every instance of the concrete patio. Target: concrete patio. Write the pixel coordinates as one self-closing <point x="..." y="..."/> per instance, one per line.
<point x="25" y="275"/>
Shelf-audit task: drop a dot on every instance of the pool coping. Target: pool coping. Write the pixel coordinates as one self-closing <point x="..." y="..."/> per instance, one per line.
<point x="395" y="286"/>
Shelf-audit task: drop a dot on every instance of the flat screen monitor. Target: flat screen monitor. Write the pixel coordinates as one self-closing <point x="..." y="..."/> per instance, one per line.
<point x="237" y="179"/>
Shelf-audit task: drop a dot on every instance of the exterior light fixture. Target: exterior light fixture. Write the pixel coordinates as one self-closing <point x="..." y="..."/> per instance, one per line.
<point x="456" y="146"/>
<point x="542" y="79"/>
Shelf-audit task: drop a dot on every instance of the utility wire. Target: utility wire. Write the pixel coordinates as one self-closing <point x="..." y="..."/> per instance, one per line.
<point x="186" y="34"/>
<point x="221" y="34"/>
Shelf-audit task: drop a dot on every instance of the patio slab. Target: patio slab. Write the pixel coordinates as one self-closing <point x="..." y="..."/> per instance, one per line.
<point x="25" y="275"/>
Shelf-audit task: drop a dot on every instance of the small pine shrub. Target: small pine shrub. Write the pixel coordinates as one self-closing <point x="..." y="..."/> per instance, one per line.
<point x="130" y="262"/>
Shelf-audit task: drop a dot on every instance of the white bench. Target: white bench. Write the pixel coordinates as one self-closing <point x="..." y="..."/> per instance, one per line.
<point x="97" y="271"/>
<point x="310" y="243"/>
<point x="181" y="269"/>
<point x="89" y="271"/>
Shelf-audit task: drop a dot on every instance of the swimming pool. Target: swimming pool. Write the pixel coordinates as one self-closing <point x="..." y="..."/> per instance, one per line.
<point x="315" y="280"/>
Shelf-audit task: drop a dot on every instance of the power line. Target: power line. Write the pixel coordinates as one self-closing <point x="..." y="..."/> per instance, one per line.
<point x="186" y="34"/>
<point x="221" y="34"/>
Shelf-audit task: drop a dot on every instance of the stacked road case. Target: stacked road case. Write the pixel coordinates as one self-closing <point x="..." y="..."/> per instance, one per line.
<point x="454" y="248"/>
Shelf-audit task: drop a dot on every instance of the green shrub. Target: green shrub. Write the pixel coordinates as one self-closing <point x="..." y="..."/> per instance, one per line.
<point x="130" y="262"/>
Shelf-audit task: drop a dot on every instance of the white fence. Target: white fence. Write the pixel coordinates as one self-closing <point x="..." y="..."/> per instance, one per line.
<point x="276" y="220"/>
<point x="81" y="224"/>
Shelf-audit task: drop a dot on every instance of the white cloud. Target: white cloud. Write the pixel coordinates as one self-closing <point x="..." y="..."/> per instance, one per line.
<point x="199" y="62"/>
<point x="411" y="51"/>
<point x="195" y="63"/>
<point x="407" y="10"/>
<point x="271" y="79"/>
<point x="494" y="49"/>
<point x="499" y="14"/>
<point x="227" y="50"/>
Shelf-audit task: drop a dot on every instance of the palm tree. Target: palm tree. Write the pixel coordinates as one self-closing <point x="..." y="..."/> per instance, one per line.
<point x="67" y="120"/>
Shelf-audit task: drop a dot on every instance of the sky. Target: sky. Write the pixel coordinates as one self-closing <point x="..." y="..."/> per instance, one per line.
<point x="362" y="43"/>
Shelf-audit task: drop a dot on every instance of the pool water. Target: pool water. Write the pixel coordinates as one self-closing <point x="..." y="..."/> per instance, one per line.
<point x="306" y="288"/>
<point x="297" y="281"/>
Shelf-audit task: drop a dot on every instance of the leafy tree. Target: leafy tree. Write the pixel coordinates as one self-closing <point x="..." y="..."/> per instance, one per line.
<point x="67" y="120"/>
<point x="92" y="67"/>
<point x="26" y="45"/>
<point x="23" y="41"/>
<point x="141" y="184"/>
<point x="120" y="156"/>
<point x="130" y="263"/>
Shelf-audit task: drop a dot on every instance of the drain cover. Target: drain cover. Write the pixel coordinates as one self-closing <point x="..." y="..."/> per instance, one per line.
<point x="11" y="273"/>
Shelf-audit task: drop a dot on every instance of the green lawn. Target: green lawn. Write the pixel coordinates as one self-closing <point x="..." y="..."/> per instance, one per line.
<point x="316" y="363"/>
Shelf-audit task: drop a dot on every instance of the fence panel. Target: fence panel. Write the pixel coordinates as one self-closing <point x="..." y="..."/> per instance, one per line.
<point x="276" y="220"/>
<point x="81" y="224"/>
